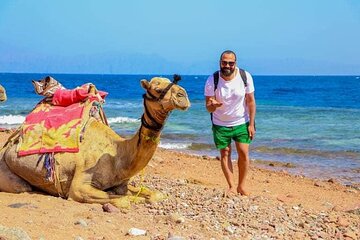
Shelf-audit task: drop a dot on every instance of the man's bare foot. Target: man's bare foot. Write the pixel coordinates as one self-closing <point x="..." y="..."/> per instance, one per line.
<point x="243" y="192"/>
<point x="230" y="193"/>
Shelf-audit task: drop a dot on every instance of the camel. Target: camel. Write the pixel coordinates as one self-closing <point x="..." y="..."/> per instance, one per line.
<point x="100" y="172"/>
<point x="2" y="94"/>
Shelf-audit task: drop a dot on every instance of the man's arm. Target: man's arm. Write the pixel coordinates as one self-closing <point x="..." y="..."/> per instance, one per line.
<point x="211" y="104"/>
<point x="251" y="105"/>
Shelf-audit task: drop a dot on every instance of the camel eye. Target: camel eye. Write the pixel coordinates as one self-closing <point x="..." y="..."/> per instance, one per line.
<point x="180" y="94"/>
<point x="158" y="90"/>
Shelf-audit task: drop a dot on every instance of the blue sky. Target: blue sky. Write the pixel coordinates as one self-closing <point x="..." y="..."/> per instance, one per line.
<point x="162" y="37"/>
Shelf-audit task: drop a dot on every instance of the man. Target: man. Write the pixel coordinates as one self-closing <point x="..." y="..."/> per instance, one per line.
<point x="232" y="105"/>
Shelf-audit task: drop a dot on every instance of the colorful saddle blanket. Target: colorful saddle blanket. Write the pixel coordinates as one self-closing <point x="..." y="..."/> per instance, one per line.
<point x="55" y="126"/>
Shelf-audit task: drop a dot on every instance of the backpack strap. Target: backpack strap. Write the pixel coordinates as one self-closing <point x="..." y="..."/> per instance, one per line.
<point x="243" y="76"/>
<point x="216" y="79"/>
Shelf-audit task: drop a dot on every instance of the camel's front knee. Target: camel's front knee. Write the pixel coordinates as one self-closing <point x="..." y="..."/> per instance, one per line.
<point x="9" y="182"/>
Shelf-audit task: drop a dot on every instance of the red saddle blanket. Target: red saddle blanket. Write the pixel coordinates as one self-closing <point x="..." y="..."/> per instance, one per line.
<point x="56" y="128"/>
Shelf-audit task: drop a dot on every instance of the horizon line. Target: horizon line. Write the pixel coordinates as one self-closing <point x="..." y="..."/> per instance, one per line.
<point x="169" y="74"/>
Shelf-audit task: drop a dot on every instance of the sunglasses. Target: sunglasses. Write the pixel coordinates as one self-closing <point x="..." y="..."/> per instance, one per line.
<point x="224" y="63"/>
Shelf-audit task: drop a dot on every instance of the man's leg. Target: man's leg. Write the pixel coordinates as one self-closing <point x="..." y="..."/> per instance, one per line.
<point x="227" y="168"/>
<point x="243" y="165"/>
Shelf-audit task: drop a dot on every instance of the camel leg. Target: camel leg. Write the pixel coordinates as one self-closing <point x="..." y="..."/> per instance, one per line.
<point x="139" y="192"/>
<point x="145" y="192"/>
<point x="9" y="182"/>
<point x="82" y="191"/>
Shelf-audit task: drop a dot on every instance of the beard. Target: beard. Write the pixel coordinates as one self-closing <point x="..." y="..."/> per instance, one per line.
<point x="226" y="71"/>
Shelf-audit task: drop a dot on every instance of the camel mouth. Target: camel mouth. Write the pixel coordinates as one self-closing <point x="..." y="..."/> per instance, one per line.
<point x="2" y="97"/>
<point x="183" y="107"/>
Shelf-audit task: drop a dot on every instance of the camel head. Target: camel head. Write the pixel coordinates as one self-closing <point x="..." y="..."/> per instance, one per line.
<point x="2" y="94"/>
<point x="161" y="97"/>
<point x="164" y="95"/>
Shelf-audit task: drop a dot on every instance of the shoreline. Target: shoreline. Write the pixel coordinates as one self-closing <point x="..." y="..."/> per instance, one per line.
<point x="270" y="165"/>
<point x="280" y="205"/>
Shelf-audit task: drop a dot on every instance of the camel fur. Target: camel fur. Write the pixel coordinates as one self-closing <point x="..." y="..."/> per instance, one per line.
<point x="2" y="94"/>
<point x="100" y="171"/>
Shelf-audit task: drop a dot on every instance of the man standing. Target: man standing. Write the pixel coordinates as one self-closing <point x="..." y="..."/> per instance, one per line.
<point x="230" y="99"/>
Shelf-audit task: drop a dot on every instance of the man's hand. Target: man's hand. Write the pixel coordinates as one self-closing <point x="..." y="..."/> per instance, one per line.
<point x="215" y="103"/>
<point x="212" y="104"/>
<point x="252" y="131"/>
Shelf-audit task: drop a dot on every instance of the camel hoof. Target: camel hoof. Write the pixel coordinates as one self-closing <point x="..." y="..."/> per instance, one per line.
<point x="121" y="203"/>
<point x="156" y="196"/>
<point x="137" y="199"/>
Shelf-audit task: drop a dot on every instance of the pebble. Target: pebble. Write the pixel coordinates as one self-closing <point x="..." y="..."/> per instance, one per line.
<point x="136" y="232"/>
<point x="193" y="205"/>
<point x="108" y="207"/>
<point x="81" y="222"/>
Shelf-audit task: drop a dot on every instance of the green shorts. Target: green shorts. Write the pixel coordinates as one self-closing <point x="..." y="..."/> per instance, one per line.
<point x="223" y="135"/>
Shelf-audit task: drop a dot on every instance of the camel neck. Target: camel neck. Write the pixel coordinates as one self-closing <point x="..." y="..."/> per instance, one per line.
<point x="153" y="120"/>
<point x="146" y="134"/>
<point x="143" y="146"/>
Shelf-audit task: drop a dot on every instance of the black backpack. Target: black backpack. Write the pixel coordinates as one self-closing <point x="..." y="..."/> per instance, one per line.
<point x="242" y="74"/>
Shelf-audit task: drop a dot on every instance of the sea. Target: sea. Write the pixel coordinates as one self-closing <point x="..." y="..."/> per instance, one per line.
<point x="310" y="122"/>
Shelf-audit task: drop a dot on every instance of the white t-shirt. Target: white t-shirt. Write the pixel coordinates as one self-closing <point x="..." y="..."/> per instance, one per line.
<point x="231" y="93"/>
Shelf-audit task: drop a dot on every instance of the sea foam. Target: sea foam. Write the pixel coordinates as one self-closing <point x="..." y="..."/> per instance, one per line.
<point x="12" y="119"/>
<point x="175" y="145"/>
<point x="123" y="120"/>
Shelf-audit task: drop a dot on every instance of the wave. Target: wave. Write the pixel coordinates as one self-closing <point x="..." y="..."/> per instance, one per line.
<point x="186" y="146"/>
<point x="123" y="120"/>
<point x="12" y="119"/>
<point x="175" y="145"/>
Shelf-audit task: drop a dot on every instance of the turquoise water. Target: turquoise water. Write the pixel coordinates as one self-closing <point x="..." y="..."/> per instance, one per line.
<point x="311" y="121"/>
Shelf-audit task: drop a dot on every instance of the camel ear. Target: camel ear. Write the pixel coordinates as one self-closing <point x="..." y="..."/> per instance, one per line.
<point x="145" y="84"/>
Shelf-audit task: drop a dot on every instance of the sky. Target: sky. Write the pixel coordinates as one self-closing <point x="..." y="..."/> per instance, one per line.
<point x="277" y="37"/>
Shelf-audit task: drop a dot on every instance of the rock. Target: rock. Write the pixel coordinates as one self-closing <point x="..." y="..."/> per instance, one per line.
<point x="342" y="222"/>
<point x="319" y="184"/>
<point x="205" y="157"/>
<point x="21" y="205"/>
<point x="176" y="218"/>
<point x="13" y="233"/>
<point x="81" y="222"/>
<point x="136" y="232"/>
<point x="296" y="208"/>
<point x="108" y="207"/>
<point x="230" y="229"/>
<point x="174" y="237"/>
<point x="332" y="180"/>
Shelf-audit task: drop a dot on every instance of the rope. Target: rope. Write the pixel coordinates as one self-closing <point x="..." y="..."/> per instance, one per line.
<point x="141" y="185"/>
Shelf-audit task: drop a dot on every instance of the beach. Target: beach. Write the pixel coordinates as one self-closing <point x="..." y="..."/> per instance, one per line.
<point x="281" y="206"/>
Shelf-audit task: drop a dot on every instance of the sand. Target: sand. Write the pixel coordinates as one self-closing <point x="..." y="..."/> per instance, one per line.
<point x="281" y="206"/>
